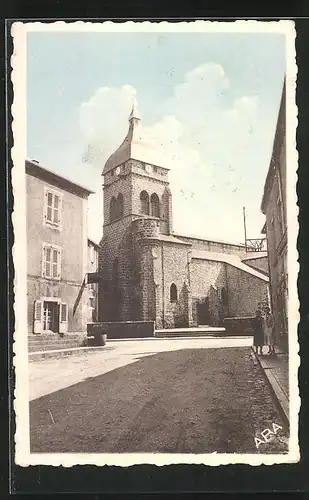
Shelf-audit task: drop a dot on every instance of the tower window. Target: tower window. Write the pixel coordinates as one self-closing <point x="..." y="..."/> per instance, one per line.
<point x="113" y="209"/>
<point x="155" y="205"/>
<point x="173" y="293"/>
<point x="144" y="197"/>
<point x="120" y="205"/>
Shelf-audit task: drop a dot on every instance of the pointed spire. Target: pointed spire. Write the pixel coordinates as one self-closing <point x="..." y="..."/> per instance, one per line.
<point x="135" y="112"/>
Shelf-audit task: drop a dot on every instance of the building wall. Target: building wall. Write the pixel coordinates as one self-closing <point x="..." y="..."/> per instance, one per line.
<point x="172" y="268"/>
<point x="150" y="185"/>
<point x="92" y="289"/>
<point x="260" y="263"/>
<point x="118" y="185"/>
<point x="207" y="280"/>
<point x="213" y="246"/>
<point x="38" y="289"/>
<point x="116" y="244"/>
<point x="245" y="291"/>
<point x="70" y="238"/>
<point x="276" y="230"/>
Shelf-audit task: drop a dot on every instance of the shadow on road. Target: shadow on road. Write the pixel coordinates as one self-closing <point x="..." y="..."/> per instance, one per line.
<point x="186" y="401"/>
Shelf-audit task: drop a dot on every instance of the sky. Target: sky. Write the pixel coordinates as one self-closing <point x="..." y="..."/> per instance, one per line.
<point x="208" y="101"/>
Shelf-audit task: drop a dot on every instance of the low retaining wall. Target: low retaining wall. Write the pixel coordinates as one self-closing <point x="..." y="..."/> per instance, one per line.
<point x="122" y="329"/>
<point x="242" y="325"/>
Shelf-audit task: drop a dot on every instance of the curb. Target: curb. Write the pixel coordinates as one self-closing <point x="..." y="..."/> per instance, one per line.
<point x="174" y="337"/>
<point x="55" y="353"/>
<point x="281" y="400"/>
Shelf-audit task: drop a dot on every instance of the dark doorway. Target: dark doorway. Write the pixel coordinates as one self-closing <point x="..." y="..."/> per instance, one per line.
<point x="51" y="317"/>
<point x="202" y="310"/>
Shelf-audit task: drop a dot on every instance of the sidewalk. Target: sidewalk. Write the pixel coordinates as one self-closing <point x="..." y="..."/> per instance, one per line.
<point x="276" y="369"/>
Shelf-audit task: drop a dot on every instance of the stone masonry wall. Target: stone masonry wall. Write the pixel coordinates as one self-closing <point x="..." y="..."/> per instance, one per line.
<point x="207" y="280"/>
<point x="152" y="185"/>
<point x="260" y="263"/>
<point x="115" y="244"/>
<point x="171" y="266"/>
<point x="245" y="291"/>
<point x="213" y="246"/>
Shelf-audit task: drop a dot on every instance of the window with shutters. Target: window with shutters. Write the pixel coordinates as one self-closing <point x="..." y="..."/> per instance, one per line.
<point x="63" y="316"/>
<point x="52" y="208"/>
<point x="37" y="320"/>
<point x="37" y="310"/>
<point x="51" y="261"/>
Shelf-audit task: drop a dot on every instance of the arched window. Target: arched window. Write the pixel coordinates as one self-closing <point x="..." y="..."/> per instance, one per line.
<point x="113" y="209"/>
<point x="144" y="202"/>
<point x="173" y="293"/>
<point x="119" y="205"/>
<point x="155" y="205"/>
<point x="224" y="297"/>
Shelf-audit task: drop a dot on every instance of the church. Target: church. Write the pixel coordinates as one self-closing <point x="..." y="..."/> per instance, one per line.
<point x="148" y="272"/>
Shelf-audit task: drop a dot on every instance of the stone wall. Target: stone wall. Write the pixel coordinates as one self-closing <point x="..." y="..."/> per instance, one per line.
<point x="170" y="266"/>
<point x="213" y="246"/>
<point x="239" y="326"/>
<point x="123" y="330"/>
<point x="245" y="291"/>
<point x="210" y="280"/>
<point x="207" y="280"/>
<point x="258" y="263"/>
<point x="115" y="298"/>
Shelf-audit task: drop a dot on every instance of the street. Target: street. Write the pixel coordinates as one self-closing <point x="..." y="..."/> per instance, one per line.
<point x="167" y="396"/>
<point x="50" y="375"/>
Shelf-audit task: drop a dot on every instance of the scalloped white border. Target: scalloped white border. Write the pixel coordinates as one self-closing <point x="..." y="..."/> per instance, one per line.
<point x="19" y="31"/>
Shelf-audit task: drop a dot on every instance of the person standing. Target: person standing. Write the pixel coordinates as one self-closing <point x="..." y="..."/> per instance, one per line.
<point x="258" y="332"/>
<point x="269" y="331"/>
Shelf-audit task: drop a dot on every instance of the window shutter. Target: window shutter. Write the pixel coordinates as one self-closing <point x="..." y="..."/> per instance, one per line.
<point x="59" y="264"/>
<point x="63" y="324"/>
<point x="43" y="261"/>
<point x="38" y="317"/>
<point x="45" y="205"/>
<point x="60" y="209"/>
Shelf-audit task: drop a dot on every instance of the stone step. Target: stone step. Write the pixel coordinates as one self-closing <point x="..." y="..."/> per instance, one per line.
<point x="56" y="342"/>
<point x="190" y="332"/>
<point x="58" y="353"/>
<point x="38" y="347"/>
<point x="54" y="337"/>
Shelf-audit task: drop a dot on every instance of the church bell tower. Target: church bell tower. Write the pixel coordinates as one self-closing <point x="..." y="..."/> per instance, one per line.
<point x="135" y="186"/>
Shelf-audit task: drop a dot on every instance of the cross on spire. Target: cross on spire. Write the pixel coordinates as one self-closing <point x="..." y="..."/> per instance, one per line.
<point x="135" y="112"/>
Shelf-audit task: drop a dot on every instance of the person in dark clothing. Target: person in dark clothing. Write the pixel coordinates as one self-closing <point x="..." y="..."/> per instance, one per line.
<point x="258" y="332"/>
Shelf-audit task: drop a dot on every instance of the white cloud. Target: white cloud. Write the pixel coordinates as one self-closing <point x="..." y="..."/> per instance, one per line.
<point x="206" y="144"/>
<point x="104" y="121"/>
